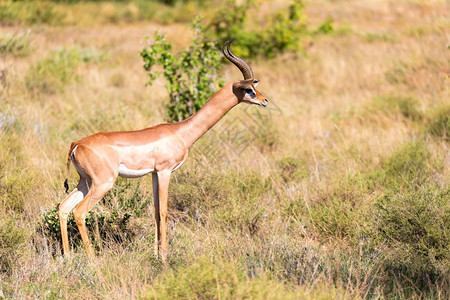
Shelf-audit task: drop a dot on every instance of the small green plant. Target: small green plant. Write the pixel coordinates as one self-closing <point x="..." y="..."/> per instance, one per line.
<point x="15" y="44"/>
<point x="191" y="74"/>
<point x="114" y="220"/>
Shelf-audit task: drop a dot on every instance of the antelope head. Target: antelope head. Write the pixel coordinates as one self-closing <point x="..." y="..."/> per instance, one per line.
<point x="245" y="90"/>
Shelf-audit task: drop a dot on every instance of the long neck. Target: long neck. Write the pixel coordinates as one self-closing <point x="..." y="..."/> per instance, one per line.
<point x="217" y="106"/>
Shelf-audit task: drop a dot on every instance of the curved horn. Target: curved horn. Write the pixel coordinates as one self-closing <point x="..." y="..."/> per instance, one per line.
<point x="242" y="65"/>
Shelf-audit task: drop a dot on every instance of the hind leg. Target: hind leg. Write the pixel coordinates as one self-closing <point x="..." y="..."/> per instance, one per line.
<point x="95" y="194"/>
<point x="66" y="206"/>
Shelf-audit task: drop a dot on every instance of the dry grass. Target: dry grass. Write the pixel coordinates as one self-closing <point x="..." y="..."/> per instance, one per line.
<point x="240" y="214"/>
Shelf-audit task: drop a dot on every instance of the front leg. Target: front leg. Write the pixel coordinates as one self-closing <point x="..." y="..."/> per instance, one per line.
<point x="163" y="189"/>
<point x="157" y="217"/>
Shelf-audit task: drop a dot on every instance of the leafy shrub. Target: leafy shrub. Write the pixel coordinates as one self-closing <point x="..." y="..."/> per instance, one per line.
<point x="114" y="218"/>
<point x="11" y="238"/>
<point x="190" y="74"/>
<point x="15" y="44"/>
<point x="282" y="31"/>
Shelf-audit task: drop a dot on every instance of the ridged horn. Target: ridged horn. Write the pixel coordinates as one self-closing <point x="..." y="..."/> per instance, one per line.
<point x="237" y="61"/>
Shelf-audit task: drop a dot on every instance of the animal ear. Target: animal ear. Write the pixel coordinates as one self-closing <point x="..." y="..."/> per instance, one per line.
<point x="255" y="82"/>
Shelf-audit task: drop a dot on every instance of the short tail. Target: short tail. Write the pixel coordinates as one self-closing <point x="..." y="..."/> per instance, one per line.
<point x="69" y="160"/>
<point x="66" y="185"/>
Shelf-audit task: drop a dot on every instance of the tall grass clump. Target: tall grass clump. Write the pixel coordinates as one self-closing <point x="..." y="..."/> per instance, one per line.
<point x="229" y="199"/>
<point x="50" y="74"/>
<point x="17" y="179"/>
<point x="408" y="107"/>
<point x="292" y="169"/>
<point x="393" y="219"/>
<point x="414" y="230"/>
<point x="18" y="44"/>
<point x="12" y="239"/>
<point x="29" y="12"/>
<point x="208" y="279"/>
<point x="406" y="169"/>
<point x="439" y="122"/>
<point x="59" y="68"/>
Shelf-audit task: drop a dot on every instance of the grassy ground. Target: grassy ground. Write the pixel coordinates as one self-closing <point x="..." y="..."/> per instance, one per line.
<point x="340" y="192"/>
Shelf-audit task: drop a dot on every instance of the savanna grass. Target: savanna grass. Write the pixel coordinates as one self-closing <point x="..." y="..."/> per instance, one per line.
<point x="346" y="196"/>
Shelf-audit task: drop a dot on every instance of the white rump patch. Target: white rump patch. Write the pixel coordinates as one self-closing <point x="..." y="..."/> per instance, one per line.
<point x="73" y="151"/>
<point x="130" y="173"/>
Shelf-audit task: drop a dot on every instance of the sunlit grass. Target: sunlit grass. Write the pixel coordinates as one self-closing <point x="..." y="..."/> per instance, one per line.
<point x="343" y="192"/>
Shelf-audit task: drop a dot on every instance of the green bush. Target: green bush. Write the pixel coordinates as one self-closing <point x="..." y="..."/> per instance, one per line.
<point x="191" y="74"/>
<point x="114" y="219"/>
<point x="282" y="31"/>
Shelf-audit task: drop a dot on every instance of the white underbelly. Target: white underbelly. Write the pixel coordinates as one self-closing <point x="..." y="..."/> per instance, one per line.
<point x="131" y="173"/>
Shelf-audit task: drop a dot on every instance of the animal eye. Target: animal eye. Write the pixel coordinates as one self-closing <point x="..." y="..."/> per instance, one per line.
<point x="249" y="91"/>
